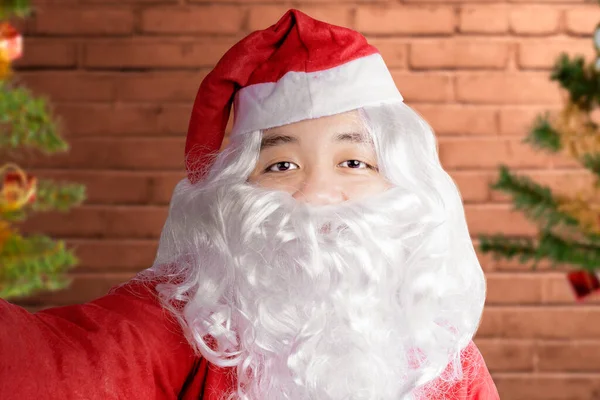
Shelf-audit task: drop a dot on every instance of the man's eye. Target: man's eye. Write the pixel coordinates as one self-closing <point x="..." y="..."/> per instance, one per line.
<point x="281" y="167"/>
<point x="356" y="164"/>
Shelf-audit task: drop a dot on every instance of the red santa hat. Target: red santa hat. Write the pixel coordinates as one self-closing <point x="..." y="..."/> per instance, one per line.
<point x="297" y="69"/>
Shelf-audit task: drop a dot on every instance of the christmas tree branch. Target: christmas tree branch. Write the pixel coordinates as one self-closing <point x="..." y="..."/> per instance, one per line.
<point x="549" y="246"/>
<point x="61" y="197"/>
<point x="543" y="136"/>
<point x="26" y="121"/>
<point x="508" y="247"/>
<point x="49" y="197"/>
<point x="32" y="264"/>
<point x="592" y="163"/>
<point x="536" y="201"/>
<point x="582" y="83"/>
<point x="16" y="8"/>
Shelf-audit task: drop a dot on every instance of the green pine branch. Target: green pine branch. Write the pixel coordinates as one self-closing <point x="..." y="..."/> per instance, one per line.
<point x="508" y="247"/>
<point x="592" y="163"/>
<point x="543" y="136"/>
<point x="26" y="121"/>
<point x="50" y="196"/>
<point x="60" y="197"/>
<point x="581" y="81"/>
<point x="536" y="201"/>
<point x="561" y="238"/>
<point x="33" y="264"/>
<point x="549" y="246"/>
<point x="14" y="8"/>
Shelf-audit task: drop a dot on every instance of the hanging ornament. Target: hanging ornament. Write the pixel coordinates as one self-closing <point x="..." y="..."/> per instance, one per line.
<point x="11" y="42"/>
<point x="11" y="48"/>
<point x="18" y="189"/>
<point x="583" y="283"/>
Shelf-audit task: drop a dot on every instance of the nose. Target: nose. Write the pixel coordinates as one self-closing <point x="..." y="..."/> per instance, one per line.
<point x="319" y="188"/>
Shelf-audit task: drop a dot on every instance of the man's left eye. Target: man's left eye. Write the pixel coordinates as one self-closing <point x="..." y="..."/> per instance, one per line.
<point x="355" y="164"/>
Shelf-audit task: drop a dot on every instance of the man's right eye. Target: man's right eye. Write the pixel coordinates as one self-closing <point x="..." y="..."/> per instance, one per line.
<point x="281" y="166"/>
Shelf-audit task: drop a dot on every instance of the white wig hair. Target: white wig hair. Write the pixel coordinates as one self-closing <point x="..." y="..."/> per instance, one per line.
<point x="439" y="292"/>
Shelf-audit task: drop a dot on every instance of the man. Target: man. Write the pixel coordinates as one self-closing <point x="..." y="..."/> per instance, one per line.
<point x="323" y="254"/>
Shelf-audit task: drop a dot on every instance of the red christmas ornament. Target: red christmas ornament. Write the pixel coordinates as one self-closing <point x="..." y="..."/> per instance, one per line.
<point x="11" y="42"/>
<point x="584" y="283"/>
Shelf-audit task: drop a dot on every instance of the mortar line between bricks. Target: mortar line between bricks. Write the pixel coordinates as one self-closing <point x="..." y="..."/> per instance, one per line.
<point x="529" y="375"/>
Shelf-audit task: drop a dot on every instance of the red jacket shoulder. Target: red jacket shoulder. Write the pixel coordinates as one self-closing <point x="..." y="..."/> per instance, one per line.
<point x="122" y="345"/>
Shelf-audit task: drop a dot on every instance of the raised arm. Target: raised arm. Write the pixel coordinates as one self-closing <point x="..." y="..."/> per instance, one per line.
<point x="121" y="346"/>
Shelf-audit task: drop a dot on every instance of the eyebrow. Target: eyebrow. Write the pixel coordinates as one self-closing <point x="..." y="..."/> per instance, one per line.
<point x="279" y="139"/>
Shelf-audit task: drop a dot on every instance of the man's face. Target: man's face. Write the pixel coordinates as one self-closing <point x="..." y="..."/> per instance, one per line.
<point x="320" y="161"/>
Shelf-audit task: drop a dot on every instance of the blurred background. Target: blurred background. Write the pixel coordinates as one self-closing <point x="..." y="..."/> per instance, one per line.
<point x="120" y="77"/>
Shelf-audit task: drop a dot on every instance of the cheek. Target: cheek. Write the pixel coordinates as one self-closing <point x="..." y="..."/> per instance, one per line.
<point x="274" y="183"/>
<point x="367" y="188"/>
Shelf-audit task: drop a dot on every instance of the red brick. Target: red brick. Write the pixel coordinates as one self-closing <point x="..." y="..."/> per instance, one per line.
<point x="557" y="290"/>
<point x="125" y="119"/>
<point x="294" y="5"/>
<point x="393" y="50"/>
<point x="261" y="17"/>
<point x="476" y="18"/>
<point x="487" y="262"/>
<point x="582" y="20"/>
<point x="24" y="26"/>
<point x="473" y="185"/>
<point x="98" y="222"/>
<point x="458" y="53"/>
<point x="71" y="85"/>
<point x="56" y="2"/>
<point x="545" y="53"/>
<point x="84" y="21"/>
<point x="548" y="386"/>
<point x="84" y="288"/>
<point x="482" y="152"/>
<point x="515" y="265"/>
<point x="534" y="20"/>
<point x="211" y="19"/>
<point x="507" y="355"/>
<point x="519" y="120"/>
<point x="514" y="288"/>
<point x="55" y="52"/>
<point x="460" y="120"/>
<point x="492" y="219"/>
<point x="425" y="87"/>
<point x="575" y="356"/>
<point x="127" y="153"/>
<point x="160" y="86"/>
<point x="506" y="88"/>
<point x="119" y="187"/>
<point x="113" y="255"/>
<point x="413" y="20"/>
<point x="548" y="1"/>
<point x="155" y="52"/>
<point x="565" y="322"/>
<point x="145" y="2"/>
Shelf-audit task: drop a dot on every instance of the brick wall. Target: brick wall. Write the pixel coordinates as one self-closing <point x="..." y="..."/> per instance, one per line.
<point x="123" y="75"/>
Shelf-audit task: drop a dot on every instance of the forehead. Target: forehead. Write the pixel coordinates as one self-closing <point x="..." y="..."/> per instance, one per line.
<point x="342" y="128"/>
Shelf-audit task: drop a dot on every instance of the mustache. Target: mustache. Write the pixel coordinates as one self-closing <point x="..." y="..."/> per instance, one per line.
<point x="264" y="212"/>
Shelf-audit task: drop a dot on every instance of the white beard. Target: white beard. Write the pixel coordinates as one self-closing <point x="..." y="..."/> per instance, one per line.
<point x="334" y="302"/>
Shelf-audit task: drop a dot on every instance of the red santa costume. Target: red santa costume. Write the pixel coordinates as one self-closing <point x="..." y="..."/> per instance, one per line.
<point x="255" y="296"/>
